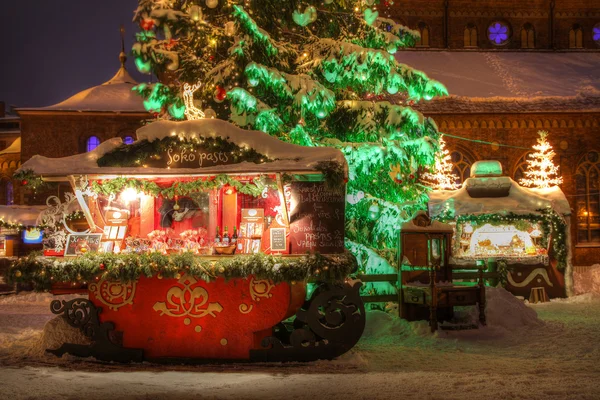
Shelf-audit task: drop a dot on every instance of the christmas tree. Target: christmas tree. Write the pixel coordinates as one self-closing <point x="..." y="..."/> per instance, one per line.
<point x="541" y="172"/>
<point x="441" y="177"/>
<point x="313" y="73"/>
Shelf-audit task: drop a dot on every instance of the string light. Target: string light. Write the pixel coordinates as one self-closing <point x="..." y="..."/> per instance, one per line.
<point x="191" y="112"/>
<point x="541" y="172"/>
<point x="442" y="177"/>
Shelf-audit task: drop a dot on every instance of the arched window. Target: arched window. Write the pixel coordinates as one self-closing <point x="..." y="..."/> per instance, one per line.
<point x="6" y="192"/>
<point x="471" y="36"/>
<point x="520" y="168"/>
<point x="499" y="33"/>
<point x="576" y="37"/>
<point x="596" y="34"/>
<point x="462" y="164"/>
<point x="527" y="37"/>
<point x="587" y="186"/>
<point x="92" y="143"/>
<point x="128" y="140"/>
<point x="424" y="31"/>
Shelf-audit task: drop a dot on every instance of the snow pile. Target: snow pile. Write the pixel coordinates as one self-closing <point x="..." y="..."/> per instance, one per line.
<point x="504" y="310"/>
<point x="57" y="332"/>
<point x="587" y="281"/>
<point x="504" y="314"/>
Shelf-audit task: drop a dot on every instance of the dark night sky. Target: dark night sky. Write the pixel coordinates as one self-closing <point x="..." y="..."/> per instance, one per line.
<point x="52" y="49"/>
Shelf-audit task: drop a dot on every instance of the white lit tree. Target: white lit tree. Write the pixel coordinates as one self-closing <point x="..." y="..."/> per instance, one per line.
<point x="441" y="176"/>
<point x="541" y="172"/>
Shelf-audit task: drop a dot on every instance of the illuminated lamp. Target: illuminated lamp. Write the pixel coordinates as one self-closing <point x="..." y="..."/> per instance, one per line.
<point x="196" y="13"/>
<point x="130" y="194"/>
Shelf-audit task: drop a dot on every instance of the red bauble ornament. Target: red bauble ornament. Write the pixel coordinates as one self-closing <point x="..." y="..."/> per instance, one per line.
<point x="24" y="182"/>
<point x="411" y="176"/>
<point x="398" y="180"/>
<point x="211" y="58"/>
<point x="102" y="267"/>
<point x="147" y="24"/>
<point x="220" y="94"/>
<point x="411" y="103"/>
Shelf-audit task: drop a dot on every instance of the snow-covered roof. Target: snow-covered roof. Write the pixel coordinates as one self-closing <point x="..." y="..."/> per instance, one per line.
<point x="115" y="95"/>
<point x="25" y="215"/>
<point x="510" y="81"/>
<point x="14" y="148"/>
<point x="434" y="226"/>
<point x="520" y="200"/>
<point x="289" y="157"/>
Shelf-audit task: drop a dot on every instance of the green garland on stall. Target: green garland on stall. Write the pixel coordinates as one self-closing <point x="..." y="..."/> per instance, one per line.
<point x="29" y="179"/>
<point x="136" y="154"/>
<point x="117" y="185"/>
<point x="44" y="271"/>
<point x="18" y="226"/>
<point x="549" y="221"/>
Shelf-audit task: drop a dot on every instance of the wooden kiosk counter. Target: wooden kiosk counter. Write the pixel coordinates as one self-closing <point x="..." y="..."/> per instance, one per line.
<point x="202" y="238"/>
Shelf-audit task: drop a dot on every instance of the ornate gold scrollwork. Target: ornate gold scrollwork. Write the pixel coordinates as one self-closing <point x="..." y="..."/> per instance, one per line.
<point x="258" y="290"/>
<point x="113" y="294"/>
<point x="186" y="300"/>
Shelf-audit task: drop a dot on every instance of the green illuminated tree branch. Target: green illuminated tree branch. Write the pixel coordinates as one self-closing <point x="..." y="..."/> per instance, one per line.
<point x="314" y="73"/>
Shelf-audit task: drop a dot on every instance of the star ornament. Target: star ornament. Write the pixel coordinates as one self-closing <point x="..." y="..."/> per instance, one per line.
<point x="498" y="33"/>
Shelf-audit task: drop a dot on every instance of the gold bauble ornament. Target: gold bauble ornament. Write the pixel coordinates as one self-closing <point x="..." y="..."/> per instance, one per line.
<point x="18" y="274"/>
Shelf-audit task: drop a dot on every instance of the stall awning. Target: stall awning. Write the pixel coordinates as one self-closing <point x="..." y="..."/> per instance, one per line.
<point x="287" y="157"/>
<point x="520" y="200"/>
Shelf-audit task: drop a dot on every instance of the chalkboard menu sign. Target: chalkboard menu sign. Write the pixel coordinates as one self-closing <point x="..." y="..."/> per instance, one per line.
<point x="177" y="156"/>
<point x="316" y="218"/>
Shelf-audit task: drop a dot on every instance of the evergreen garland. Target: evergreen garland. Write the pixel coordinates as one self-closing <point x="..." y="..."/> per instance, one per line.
<point x="550" y="223"/>
<point x="44" y="271"/>
<point x="177" y="188"/>
<point x="29" y="179"/>
<point x="136" y="154"/>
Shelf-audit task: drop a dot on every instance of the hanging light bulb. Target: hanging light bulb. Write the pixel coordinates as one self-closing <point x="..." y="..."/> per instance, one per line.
<point x="196" y="13"/>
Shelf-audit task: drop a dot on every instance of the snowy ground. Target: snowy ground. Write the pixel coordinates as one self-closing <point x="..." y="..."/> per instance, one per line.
<point x="545" y="351"/>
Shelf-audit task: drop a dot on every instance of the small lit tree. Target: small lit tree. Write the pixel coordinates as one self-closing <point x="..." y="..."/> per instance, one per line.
<point x="441" y="176"/>
<point x="541" y="172"/>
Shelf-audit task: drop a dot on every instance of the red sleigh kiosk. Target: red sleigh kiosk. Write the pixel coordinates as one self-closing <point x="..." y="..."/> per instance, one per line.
<point x="203" y="239"/>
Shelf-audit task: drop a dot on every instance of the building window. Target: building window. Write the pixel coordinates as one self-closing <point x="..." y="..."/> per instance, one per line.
<point x="527" y="37"/>
<point x="92" y="143"/>
<point x="520" y="168"/>
<point x="128" y="140"/>
<point x="470" y="36"/>
<point x="596" y="34"/>
<point x="424" y="31"/>
<point x="462" y="165"/>
<point x="587" y="185"/>
<point x="6" y="192"/>
<point x="576" y="37"/>
<point x="498" y="33"/>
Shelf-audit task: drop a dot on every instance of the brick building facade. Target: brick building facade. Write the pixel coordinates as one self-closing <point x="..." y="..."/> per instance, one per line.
<point x="540" y="73"/>
<point x="532" y="24"/>
<point x="80" y="123"/>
